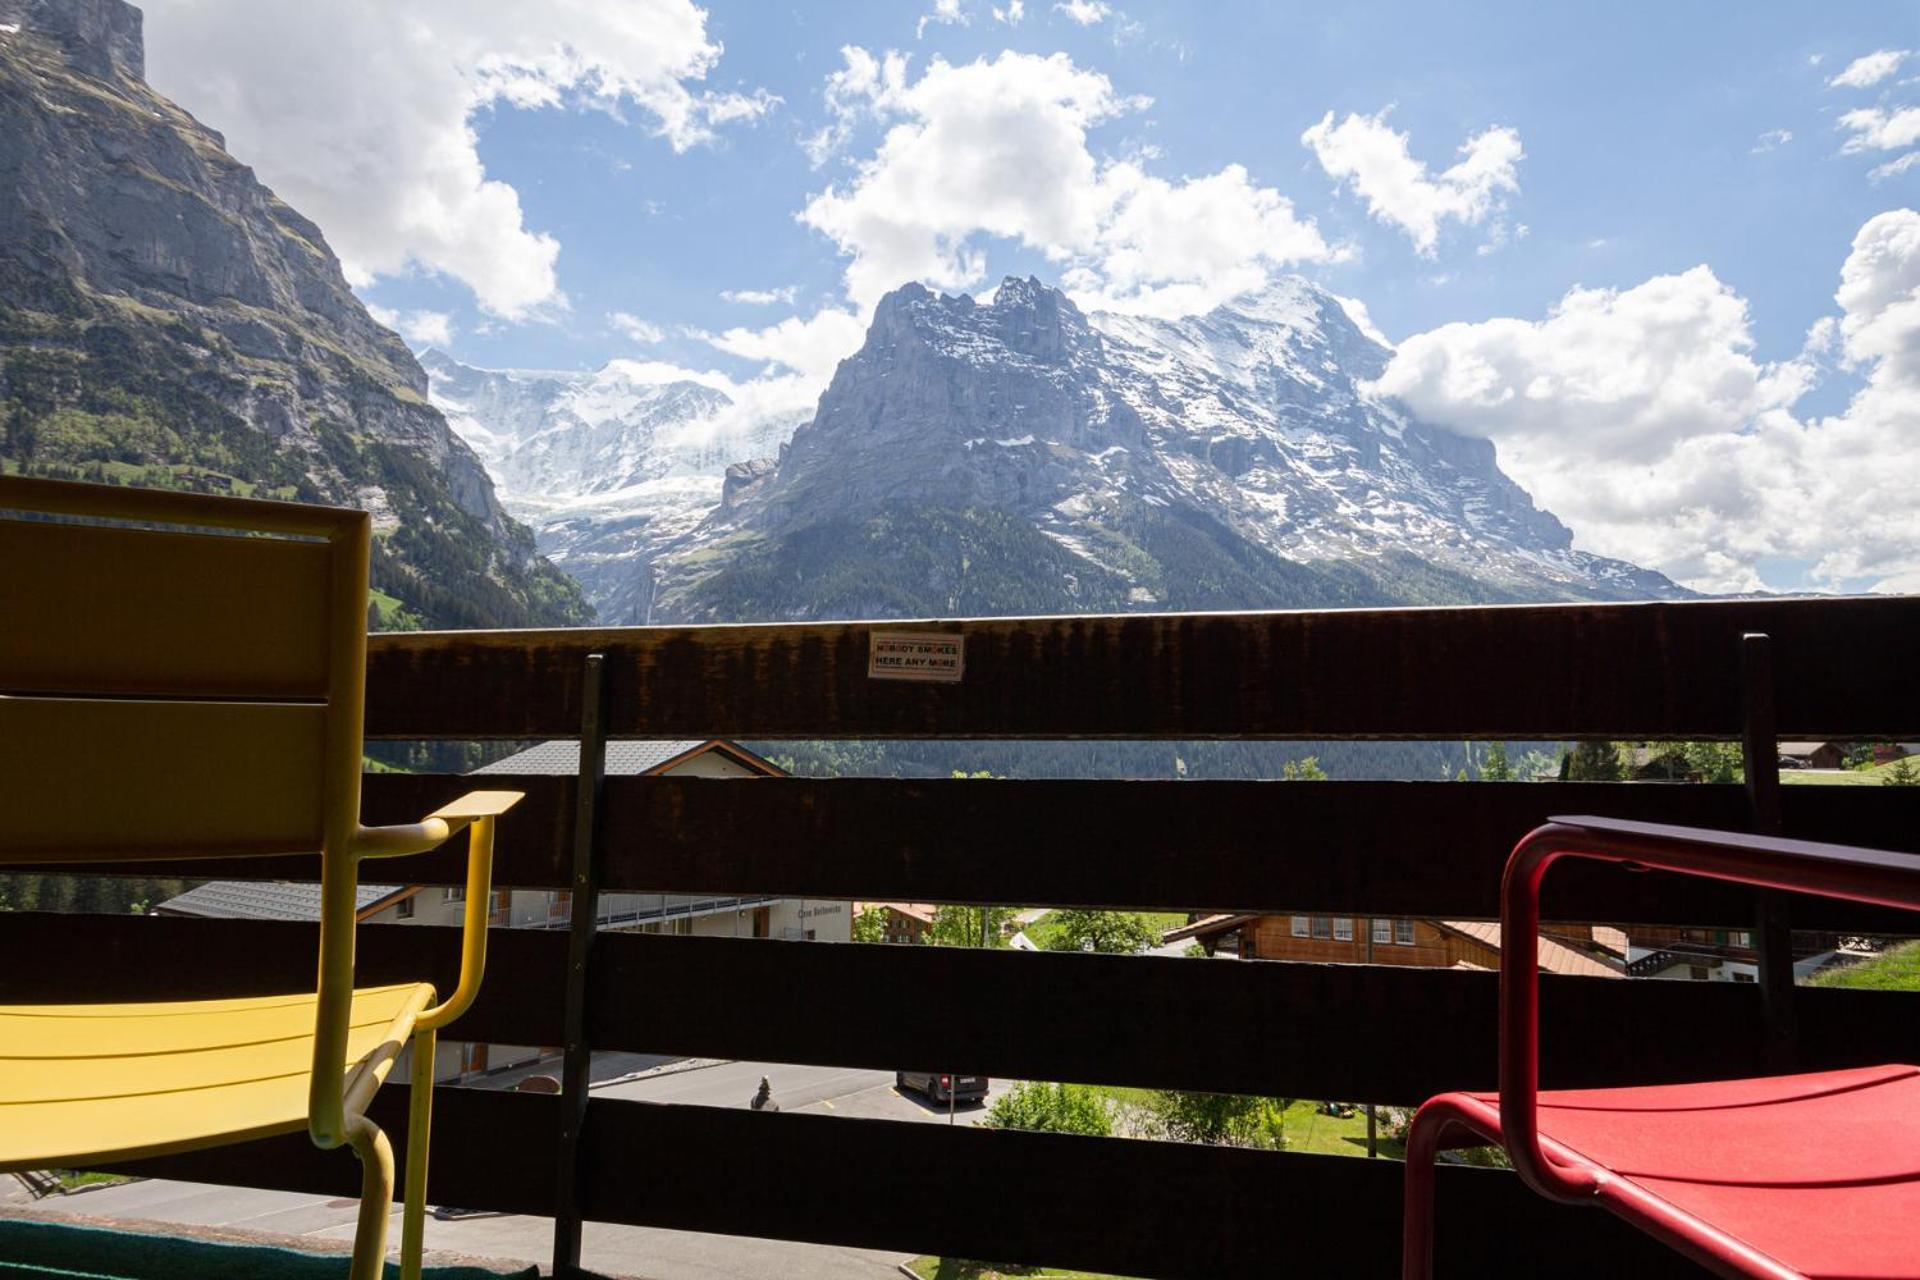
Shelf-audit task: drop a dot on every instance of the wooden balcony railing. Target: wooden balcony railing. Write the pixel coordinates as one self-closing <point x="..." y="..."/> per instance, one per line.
<point x="1842" y="668"/>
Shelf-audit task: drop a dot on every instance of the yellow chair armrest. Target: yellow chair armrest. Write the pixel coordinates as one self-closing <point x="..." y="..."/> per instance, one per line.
<point x="478" y="804"/>
<point x="436" y="828"/>
<point x="478" y="810"/>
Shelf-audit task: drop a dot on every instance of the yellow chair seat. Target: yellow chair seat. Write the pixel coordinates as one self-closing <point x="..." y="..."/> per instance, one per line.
<point x="84" y="1084"/>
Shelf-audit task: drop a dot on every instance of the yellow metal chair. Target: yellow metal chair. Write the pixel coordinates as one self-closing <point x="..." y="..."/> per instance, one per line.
<point x="179" y="692"/>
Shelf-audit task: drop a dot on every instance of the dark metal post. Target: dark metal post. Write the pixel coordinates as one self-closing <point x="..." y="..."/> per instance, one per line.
<point x="576" y="1070"/>
<point x="1773" y="931"/>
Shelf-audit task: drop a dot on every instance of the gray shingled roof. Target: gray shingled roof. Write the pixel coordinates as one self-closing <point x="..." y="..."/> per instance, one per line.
<point x="256" y="900"/>
<point x="249" y="900"/>
<point x="563" y="756"/>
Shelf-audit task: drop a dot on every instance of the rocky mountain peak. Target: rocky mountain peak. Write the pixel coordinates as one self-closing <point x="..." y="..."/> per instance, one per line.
<point x="99" y="37"/>
<point x="1025" y="455"/>
<point x="1036" y="321"/>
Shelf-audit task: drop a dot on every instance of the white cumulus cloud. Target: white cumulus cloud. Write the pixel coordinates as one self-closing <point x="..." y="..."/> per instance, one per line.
<point x="419" y="328"/>
<point x="1894" y="168"/>
<point x="364" y="115"/>
<point x="1877" y="129"/>
<point x="945" y="13"/>
<point x="760" y="297"/>
<point x="811" y="347"/>
<point x="1000" y="149"/>
<point x="634" y="328"/>
<point x="1870" y="69"/>
<point x="1376" y="161"/>
<point x="1085" y="12"/>
<point x="1771" y="140"/>
<point x="1643" y="419"/>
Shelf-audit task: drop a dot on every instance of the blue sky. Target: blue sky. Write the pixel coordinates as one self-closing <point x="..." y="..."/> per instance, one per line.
<point x="1607" y="237"/>
<point x="1639" y="135"/>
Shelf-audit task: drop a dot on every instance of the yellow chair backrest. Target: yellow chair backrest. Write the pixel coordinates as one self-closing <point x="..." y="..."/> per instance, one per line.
<point x="189" y="690"/>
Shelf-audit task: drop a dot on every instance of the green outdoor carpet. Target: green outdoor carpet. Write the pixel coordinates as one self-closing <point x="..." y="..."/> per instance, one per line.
<point x="50" y="1249"/>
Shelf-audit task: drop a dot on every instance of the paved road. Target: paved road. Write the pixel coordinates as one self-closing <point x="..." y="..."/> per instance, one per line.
<point x="614" y="1250"/>
<point x="839" y="1090"/>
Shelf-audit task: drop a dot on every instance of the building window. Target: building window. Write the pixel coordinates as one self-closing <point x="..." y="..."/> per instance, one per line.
<point x="405" y="909"/>
<point x="1403" y="932"/>
<point x="1742" y="977"/>
<point x="1343" y="928"/>
<point x="1299" y="926"/>
<point x="1740" y="938"/>
<point x="1382" y="930"/>
<point x="1322" y="927"/>
<point x="451" y="894"/>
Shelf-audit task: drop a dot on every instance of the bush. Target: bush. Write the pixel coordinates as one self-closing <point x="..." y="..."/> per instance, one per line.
<point x="1218" y="1119"/>
<point x="1112" y="932"/>
<point x="1051" y="1108"/>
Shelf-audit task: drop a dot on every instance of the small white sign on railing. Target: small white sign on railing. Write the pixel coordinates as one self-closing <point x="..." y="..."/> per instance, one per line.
<point x="916" y="655"/>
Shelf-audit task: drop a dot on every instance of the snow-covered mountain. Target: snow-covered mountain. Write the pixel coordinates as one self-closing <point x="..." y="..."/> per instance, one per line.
<point x="1020" y="455"/>
<point x="609" y="467"/>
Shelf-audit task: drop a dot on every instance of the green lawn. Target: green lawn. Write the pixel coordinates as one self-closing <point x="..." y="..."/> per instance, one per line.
<point x="1043" y="930"/>
<point x="73" y="1180"/>
<point x="1308" y="1130"/>
<point x="956" y="1269"/>
<point x="1896" y="969"/>
<point x="1873" y="777"/>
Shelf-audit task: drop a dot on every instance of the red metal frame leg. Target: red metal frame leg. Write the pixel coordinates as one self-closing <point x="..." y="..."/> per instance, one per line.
<point x="1435" y="1128"/>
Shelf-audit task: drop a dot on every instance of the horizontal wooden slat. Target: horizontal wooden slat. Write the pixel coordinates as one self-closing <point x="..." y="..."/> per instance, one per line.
<point x="1149" y="1209"/>
<point x="1110" y="1205"/>
<point x="1620" y="671"/>
<point x="1432" y="850"/>
<point x="1374" y="1033"/>
<point x="72" y="959"/>
<point x="1295" y="1030"/>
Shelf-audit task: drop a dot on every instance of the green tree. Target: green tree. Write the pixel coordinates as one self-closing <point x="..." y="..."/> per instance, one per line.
<point x="1670" y="760"/>
<point x="1305" y="769"/>
<point x="1051" y="1108"/>
<point x="1494" y="765"/>
<point x="1218" y="1119"/>
<point x="1715" y="761"/>
<point x="1535" y="765"/>
<point x="870" y="925"/>
<point x="1595" y="762"/>
<point x="1901" y="774"/>
<point x="960" y="926"/>
<point x="1113" y="932"/>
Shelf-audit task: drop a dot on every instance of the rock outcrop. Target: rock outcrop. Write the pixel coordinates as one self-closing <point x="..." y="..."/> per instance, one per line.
<point x="166" y="319"/>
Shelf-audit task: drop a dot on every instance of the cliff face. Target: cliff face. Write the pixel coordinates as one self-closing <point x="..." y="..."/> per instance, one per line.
<point x="165" y="319"/>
